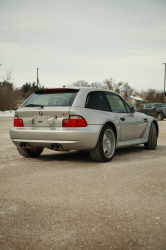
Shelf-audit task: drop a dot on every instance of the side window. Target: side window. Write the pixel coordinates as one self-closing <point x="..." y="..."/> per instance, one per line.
<point x="147" y="106"/>
<point x="116" y="103"/>
<point x="96" y="100"/>
<point x="127" y="107"/>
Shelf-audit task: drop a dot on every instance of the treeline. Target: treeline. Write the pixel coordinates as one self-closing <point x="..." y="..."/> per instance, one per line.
<point x="28" y="88"/>
<point x="124" y="89"/>
<point x="121" y="88"/>
<point x="9" y="95"/>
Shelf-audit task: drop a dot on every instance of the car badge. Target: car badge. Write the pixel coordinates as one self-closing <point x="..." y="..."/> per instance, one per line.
<point x="40" y="113"/>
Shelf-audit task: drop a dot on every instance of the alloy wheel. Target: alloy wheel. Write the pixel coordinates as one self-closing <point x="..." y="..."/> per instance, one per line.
<point x="108" y="143"/>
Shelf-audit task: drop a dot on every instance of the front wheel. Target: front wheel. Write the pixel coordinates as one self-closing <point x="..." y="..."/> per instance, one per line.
<point x="152" y="140"/>
<point x="105" y="147"/>
<point x="30" y="153"/>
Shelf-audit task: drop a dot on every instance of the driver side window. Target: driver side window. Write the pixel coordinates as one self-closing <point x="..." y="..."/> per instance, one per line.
<point x="116" y="103"/>
<point x="147" y="106"/>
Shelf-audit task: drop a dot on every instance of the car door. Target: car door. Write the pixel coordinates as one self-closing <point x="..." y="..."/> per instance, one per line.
<point x="131" y="127"/>
<point x="153" y="110"/>
<point x="147" y="108"/>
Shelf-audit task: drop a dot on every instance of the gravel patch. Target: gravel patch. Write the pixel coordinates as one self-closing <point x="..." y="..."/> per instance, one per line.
<point x="63" y="200"/>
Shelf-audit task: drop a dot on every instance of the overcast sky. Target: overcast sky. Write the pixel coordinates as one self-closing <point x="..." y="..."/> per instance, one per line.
<point x="91" y="40"/>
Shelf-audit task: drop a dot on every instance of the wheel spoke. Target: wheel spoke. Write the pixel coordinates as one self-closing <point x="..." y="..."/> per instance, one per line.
<point x="104" y="138"/>
<point x="106" y="135"/>
<point x="105" y="150"/>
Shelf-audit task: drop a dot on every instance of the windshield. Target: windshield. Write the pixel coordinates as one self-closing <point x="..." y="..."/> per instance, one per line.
<point x="54" y="98"/>
<point x="160" y="105"/>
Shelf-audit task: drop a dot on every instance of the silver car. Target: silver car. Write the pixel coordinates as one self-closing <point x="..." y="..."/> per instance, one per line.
<point x="91" y="119"/>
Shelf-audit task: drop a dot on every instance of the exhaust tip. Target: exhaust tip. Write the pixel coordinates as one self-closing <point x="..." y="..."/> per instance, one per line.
<point x="23" y="145"/>
<point x="55" y="146"/>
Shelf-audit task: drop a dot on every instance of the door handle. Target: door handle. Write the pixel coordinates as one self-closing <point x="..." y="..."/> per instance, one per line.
<point x="122" y="119"/>
<point x="145" y="120"/>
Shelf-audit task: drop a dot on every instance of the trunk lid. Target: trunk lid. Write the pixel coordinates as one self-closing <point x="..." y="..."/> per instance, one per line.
<point x="46" y="117"/>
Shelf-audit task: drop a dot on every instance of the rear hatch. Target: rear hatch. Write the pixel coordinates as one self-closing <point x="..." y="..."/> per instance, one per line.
<point x="47" y="108"/>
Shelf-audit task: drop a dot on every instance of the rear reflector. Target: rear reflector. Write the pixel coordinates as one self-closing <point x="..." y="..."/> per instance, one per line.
<point x="74" y="121"/>
<point x="18" y="122"/>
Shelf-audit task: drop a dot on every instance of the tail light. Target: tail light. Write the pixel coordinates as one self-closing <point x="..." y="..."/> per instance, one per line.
<point x="18" y="122"/>
<point x="74" y="121"/>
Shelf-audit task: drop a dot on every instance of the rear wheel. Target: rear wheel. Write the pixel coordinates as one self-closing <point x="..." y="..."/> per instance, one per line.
<point x="152" y="141"/>
<point x="105" y="147"/>
<point x="30" y="153"/>
<point x="160" y="116"/>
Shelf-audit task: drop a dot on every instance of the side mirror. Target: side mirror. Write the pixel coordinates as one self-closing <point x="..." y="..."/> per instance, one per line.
<point x="153" y="108"/>
<point x="132" y="110"/>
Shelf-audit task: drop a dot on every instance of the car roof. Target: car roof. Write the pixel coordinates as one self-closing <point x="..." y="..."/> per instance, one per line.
<point x="84" y="91"/>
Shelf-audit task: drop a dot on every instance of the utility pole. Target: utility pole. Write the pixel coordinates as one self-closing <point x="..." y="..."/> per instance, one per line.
<point x="164" y="81"/>
<point x="0" y="64"/>
<point x="37" y="77"/>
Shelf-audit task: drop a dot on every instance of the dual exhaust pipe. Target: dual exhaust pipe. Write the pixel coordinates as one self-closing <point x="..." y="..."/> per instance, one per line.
<point x="54" y="146"/>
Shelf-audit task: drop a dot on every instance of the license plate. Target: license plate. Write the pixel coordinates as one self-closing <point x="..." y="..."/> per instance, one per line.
<point x="40" y="121"/>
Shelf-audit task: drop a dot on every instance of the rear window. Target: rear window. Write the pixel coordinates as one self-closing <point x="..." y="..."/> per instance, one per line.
<point x="52" y="97"/>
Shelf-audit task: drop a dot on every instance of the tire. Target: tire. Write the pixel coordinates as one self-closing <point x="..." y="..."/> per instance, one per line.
<point x="105" y="147"/>
<point x="160" y="116"/>
<point x="152" y="140"/>
<point x="30" y="153"/>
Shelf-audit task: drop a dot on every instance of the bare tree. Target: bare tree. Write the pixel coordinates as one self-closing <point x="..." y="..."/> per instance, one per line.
<point x="7" y="92"/>
<point x="126" y="90"/>
<point x="80" y="83"/>
<point x="8" y="75"/>
<point x="6" y="95"/>
<point x="153" y="95"/>
<point x="111" y="85"/>
<point x="96" y="85"/>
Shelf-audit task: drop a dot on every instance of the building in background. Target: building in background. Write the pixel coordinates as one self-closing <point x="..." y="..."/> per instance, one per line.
<point x="18" y="103"/>
<point x="136" y="101"/>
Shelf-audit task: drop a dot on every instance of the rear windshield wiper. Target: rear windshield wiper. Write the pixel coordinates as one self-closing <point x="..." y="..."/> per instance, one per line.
<point x="34" y="105"/>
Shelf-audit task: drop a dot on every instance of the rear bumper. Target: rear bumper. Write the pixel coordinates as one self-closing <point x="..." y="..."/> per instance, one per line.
<point x="70" y="138"/>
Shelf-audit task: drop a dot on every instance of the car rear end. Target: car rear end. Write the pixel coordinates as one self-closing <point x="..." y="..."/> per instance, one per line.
<point x="48" y="119"/>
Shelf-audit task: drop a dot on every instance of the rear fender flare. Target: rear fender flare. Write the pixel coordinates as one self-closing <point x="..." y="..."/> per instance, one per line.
<point x="116" y="130"/>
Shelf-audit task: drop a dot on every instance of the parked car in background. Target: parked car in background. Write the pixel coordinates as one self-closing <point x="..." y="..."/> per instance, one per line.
<point x="91" y="119"/>
<point x="157" y="110"/>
